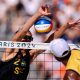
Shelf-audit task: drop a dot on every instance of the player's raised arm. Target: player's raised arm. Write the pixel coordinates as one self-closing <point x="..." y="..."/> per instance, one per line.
<point x="25" y="28"/>
<point x="42" y="11"/>
<point x="58" y="33"/>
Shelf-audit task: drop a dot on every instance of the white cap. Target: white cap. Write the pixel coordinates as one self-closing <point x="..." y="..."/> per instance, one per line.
<point x="58" y="47"/>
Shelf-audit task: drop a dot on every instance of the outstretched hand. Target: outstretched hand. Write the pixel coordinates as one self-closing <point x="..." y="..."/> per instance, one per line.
<point x="43" y="10"/>
<point x="74" y="24"/>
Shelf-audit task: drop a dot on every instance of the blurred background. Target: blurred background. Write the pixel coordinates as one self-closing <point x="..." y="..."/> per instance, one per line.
<point x="14" y="13"/>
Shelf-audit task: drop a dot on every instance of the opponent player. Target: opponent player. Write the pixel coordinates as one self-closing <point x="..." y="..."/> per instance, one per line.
<point x="70" y="58"/>
<point x="16" y="62"/>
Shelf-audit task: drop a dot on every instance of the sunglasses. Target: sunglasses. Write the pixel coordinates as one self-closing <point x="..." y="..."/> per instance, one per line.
<point x="28" y="38"/>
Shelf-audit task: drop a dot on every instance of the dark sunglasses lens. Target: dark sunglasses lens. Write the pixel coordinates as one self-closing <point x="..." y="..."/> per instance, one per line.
<point x="28" y="37"/>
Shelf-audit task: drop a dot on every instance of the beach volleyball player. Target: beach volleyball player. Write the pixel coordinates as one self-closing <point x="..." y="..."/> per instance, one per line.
<point x="15" y="63"/>
<point x="70" y="58"/>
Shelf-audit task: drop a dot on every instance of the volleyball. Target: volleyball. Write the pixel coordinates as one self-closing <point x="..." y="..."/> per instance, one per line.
<point x="43" y="25"/>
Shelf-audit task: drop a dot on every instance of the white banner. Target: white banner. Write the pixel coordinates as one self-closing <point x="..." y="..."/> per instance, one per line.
<point x="31" y="45"/>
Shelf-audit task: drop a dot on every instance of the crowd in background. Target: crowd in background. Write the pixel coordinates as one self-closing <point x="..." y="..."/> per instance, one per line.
<point x="14" y="13"/>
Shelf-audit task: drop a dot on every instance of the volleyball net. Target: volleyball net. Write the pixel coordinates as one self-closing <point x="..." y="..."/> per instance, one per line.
<point x="31" y="45"/>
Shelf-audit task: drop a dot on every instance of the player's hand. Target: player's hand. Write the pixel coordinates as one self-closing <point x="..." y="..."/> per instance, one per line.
<point x="73" y="24"/>
<point x="43" y="10"/>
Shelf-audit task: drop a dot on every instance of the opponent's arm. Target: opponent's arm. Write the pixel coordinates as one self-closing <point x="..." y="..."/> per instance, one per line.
<point x="18" y="36"/>
<point x="58" y="33"/>
<point x="42" y="11"/>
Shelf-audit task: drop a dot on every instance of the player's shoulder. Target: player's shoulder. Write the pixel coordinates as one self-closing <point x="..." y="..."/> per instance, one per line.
<point x="75" y="50"/>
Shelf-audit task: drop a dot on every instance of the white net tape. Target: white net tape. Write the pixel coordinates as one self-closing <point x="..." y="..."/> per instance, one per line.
<point x="31" y="45"/>
<point x="23" y="45"/>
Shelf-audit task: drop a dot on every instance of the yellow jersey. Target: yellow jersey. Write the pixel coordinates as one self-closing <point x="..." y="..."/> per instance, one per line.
<point x="74" y="61"/>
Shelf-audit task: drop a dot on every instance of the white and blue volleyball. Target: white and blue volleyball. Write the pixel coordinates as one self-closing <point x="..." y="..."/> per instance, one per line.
<point x="43" y="25"/>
